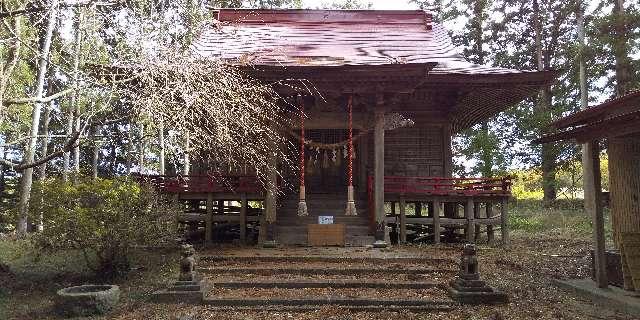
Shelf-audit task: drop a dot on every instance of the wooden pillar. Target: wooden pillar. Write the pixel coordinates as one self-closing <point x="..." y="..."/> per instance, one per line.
<point x="379" y="176"/>
<point x="208" y="231"/>
<point x="504" y="219"/>
<point x="436" y="221"/>
<point x="468" y="213"/>
<point x="244" y="204"/>
<point x="403" y="221"/>
<point x="593" y="202"/>
<point x="270" y="203"/>
<point x="489" y="214"/>
<point x="393" y="208"/>
<point x="476" y="215"/>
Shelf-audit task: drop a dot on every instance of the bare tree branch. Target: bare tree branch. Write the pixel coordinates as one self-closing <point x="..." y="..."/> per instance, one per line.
<point x="42" y="100"/>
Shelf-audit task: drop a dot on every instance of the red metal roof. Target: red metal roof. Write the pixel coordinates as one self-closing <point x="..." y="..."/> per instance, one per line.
<point x="316" y="42"/>
<point x="333" y="38"/>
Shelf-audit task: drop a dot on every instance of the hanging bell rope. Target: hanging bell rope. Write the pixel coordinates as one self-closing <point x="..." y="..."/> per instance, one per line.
<point x="351" y="204"/>
<point x="302" y="204"/>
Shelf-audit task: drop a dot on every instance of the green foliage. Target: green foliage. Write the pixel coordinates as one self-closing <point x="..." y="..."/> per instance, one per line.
<point x="263" y="4"/>
<point x="347" y="5"/>
<point x="527" y="183"/>
<point x="101" y="217"/>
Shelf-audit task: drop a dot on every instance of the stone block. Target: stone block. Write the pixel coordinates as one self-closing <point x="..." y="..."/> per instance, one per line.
<point x="474" y="298"/>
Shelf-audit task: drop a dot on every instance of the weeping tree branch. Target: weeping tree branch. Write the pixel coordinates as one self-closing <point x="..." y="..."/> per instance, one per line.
<point x="233" y="121"/>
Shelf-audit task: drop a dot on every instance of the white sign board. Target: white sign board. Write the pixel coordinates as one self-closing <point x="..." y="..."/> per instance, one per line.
<point x="325" y="219"/>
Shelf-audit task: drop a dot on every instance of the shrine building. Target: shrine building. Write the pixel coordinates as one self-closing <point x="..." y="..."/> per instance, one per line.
<point x="390" y="91"/>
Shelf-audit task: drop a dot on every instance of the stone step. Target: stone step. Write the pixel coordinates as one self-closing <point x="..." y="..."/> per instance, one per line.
<point x="323" y="271"/>
<point x="359" y="241"/>
<point x="324" y="258"/>
<point x="336" y="284"/>
<point x="310" y="308"/>
<point x="434" y="305"/>
<point x="300" y="225"/>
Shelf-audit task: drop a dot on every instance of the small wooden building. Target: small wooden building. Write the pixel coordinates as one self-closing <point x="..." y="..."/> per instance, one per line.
<point x="407" y="91"/>
<point x="616" y="122"/>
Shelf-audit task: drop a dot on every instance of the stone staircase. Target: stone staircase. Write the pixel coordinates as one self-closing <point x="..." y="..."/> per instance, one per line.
<point x="308" y="283"/>
<point x="292" y="229"/>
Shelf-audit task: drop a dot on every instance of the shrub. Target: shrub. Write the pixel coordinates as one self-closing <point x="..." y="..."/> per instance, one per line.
<point x="103" y="218"/>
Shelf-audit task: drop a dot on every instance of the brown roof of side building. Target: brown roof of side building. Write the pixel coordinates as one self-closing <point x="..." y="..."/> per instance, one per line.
<point x="614" y="118"/>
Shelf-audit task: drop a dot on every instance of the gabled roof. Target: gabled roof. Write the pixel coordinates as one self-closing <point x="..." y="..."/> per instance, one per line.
<point x="367" y="46"/>
<point x="333" y="38"/>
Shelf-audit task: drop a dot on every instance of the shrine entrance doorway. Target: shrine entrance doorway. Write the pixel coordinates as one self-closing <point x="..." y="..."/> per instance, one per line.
<point x="326" y="166"/>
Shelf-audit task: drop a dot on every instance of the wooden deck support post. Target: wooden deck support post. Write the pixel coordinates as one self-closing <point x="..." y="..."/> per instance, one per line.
<point x="379" y="175"/>
<point x="489" y="215"/>
<point x="504" y="222"/>
<point x="477" y="215"/>
<point x="220" y="207"/>
<point x="593" y="203"/>
<point x="403" y="221"/>
<point x="436" y="221"/>
<point x="468" y="213"/>
<point x="244" y="204"/>
<point x="208" y="229"/>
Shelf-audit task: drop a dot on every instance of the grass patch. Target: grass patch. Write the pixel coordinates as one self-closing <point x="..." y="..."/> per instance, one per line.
<point x="564" y="218"/>
<point x="527" y="224"/>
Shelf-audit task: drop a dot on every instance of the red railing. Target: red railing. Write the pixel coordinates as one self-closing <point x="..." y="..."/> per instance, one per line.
<point x="446" y="186"/>
<point x="217" y="183"/>
<point x="439" y="186"/>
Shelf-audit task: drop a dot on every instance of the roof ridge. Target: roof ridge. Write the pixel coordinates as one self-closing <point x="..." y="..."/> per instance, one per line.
<point x="358" y="16"/>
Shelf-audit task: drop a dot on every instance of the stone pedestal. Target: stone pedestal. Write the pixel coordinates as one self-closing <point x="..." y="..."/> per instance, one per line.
<point x="189" y="288"/>
<point x="468" y="288"/>
<point x="182" y="292"/>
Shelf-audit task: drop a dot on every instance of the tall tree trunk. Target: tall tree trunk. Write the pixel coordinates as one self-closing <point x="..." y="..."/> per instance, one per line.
<point x="486" y="154"/>
<point x="30" y="150"/>
<point x="584" y="102"/>
<point x="129" y="149"/>
<point x="621" y="49"/>
<point x="187" y="160"/>
<point x="74" y="118"/>
<point x="624" y="185"/>
<point x="42" y="169"/>
<point x="548" y="154"/>
<point x="162" y="147"/>
<point x="96" y="151"/>
<point x="143" y="148"/>
<point x="9" y="57"/>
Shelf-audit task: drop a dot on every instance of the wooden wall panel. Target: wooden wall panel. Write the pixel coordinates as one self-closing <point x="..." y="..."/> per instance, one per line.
<point x="414" y="151"/>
